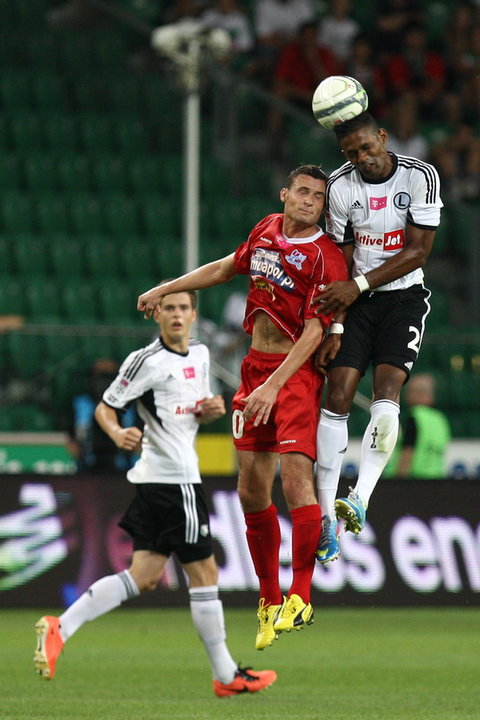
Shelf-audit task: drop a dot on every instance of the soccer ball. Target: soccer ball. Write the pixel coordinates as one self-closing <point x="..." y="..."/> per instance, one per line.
<point x="338" y="98"/>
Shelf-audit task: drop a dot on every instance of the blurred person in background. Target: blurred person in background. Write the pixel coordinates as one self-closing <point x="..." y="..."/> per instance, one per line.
<point x="426" y="433"/>
<point x="338" y="29"/>
<point x="169" y="380"/>
<point x="404" y="137"/>
<point x="94" y="451"/>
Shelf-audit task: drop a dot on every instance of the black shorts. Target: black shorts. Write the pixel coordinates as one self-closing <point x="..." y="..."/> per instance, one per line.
<point x="170" y="518"/>
<point x="384" y="327"/>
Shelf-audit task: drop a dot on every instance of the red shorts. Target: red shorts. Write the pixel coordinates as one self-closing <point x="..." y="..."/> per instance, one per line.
<point x="292" y="425"/>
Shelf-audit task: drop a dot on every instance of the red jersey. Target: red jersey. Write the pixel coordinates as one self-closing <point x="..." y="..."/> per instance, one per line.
<point x="286" y="274"/>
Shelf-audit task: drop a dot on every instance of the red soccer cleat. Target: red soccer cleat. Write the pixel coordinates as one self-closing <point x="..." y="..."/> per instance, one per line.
<point x="49" y="646"/>
<point x="245" y="681"/>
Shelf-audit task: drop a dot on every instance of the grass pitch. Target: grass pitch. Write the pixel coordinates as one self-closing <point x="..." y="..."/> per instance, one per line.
<point x="351" y="664"/>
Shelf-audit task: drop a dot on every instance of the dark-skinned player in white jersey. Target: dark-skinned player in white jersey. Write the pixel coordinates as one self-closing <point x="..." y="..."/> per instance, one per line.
<point x="382" y="211"/>
<point x="169" y="381"/>
<point x="275" y="410"/>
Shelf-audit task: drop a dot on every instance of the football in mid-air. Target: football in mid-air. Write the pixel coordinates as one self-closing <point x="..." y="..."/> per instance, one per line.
<point x="337" y="99"/>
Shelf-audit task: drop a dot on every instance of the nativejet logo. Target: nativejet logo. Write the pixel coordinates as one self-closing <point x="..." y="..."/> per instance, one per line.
<point x="268" y="264"/>
<point x="389" y="241"/>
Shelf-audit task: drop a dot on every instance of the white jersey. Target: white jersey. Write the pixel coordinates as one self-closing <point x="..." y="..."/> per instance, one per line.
<point x="374" y="215"/>
<point x="168" y="386"/>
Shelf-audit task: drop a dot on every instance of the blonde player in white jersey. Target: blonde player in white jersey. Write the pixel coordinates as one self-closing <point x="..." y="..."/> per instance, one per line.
<point x="169" y="380"/>
<point x="382" y="210"/>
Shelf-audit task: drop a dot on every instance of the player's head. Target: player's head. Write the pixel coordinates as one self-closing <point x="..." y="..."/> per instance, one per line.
<point x="313" y="171"/>
<point x="303" y="198"/>
<point x="176" y="314"/>
<point x="364" y="144"/>
<point x="421" y="390"/>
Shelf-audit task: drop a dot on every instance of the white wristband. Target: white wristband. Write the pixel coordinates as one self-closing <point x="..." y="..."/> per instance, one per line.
<point x="336" y="329"/>
<point x="362" y="283"/>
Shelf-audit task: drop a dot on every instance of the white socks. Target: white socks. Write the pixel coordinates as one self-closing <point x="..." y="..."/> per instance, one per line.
<point x="332" y="440"/>
<point x="101" y="597"/>
<point x="377" y="446"/>
<point x="207" y="616"/>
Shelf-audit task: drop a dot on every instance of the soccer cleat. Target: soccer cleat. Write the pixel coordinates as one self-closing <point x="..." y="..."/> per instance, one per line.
<point x="267" y="615"/>
<point x="328" y="547"/>
<point x="352" y="510"/>
<point x="293" y="614"/>
<point x="49" y="646"/>
<point x="245" y="681"/>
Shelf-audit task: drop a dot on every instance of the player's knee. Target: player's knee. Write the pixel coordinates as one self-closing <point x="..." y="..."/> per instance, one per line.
<point x="338" y="401"/>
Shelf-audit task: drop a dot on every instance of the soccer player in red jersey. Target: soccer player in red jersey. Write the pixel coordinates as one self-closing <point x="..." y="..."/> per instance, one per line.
<point x="275" y="410"/>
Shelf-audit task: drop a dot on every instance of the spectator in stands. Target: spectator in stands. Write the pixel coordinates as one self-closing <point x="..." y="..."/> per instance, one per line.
<point x="338" y="30"/>
<point x="392" y="18"/>
<point x="276" y="22"/>
<point x="426" y="433"/>
<point x="302" y="64"/>
<point x="230" y="16"/>
<point x="419" y="69"/>
<point x="362" y="65"/>
<point x="95" y="452"/>
<point x="403" y="135"/>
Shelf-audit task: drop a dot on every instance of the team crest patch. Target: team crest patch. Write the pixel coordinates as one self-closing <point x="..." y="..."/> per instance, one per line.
<point x="204" y="530"/>
<point x="296" y="258"/>
<point x="402" y="200"/>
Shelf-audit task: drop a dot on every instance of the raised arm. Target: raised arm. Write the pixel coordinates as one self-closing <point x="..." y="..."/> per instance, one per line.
<point x="214" y="273"/>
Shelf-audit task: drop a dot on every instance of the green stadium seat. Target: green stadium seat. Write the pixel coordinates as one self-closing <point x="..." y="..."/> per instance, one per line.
<point x="40" y="171"/>
<point x="42" y="300"/>
<point x="42" y="51"/>
<point x="27" y="418"/>
<point x="74" y="173"/>
<point x="96" y="346"/>
<point x="124" y="95"/>
<point x="15" y="90"/>
<point x="121" y="215"/>
<point x="47" y="92"/>
<point x="101" y="256"/>
<point x="17" y="214"/>
<point x="130" y="135"/>
<point x="62" y="349"/>
<point x="26" y="132"/>
<point x="169" y="257"/>
<point x="110" y="51"/>
<point x="30" y="255"/>
<point x="117" y="303"/>
<point x="145" y="174"/>
<point x="26" y="355"/>
<point x="86" y="214"/>
<point x="61" y="133"/>
<point x="12" y="296"/>
<point x="10" y="172"/>
<point x="109" y="173"/>
<point x="136" y="257"/>
<point x="51" y="212"/>
<point x="160" y="217"/>
<point x="6" y="258"/>
<point x="67" y="258"/>
<point x="124" y="345"/>
<point x="96" y="133"/>
<point x="79" y="302"/>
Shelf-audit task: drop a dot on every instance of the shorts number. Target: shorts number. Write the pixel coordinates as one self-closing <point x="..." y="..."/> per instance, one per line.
<point x="415" y="343"/>
<point x="237" y="424"/>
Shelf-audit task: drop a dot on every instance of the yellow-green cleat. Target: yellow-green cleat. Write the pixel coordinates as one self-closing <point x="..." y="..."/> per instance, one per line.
<point x="267" y="615"/>
<point x="293" y="615"/>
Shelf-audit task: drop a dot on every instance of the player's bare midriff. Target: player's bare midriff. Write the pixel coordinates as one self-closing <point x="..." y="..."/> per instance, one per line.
<point x="267" y="338"/>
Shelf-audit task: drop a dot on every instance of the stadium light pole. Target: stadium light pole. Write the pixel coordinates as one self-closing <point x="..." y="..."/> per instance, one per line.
<point x="189" y="45"/>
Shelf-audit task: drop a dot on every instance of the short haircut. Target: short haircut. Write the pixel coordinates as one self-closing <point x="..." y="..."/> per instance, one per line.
<point x="192" y="293"/>
<point x="315" y="171"/>
<point x="364" y="120"/>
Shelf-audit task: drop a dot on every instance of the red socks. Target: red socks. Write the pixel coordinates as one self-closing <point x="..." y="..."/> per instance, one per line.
<point x="306" y="525"/>
<point x="263" y="537"/>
